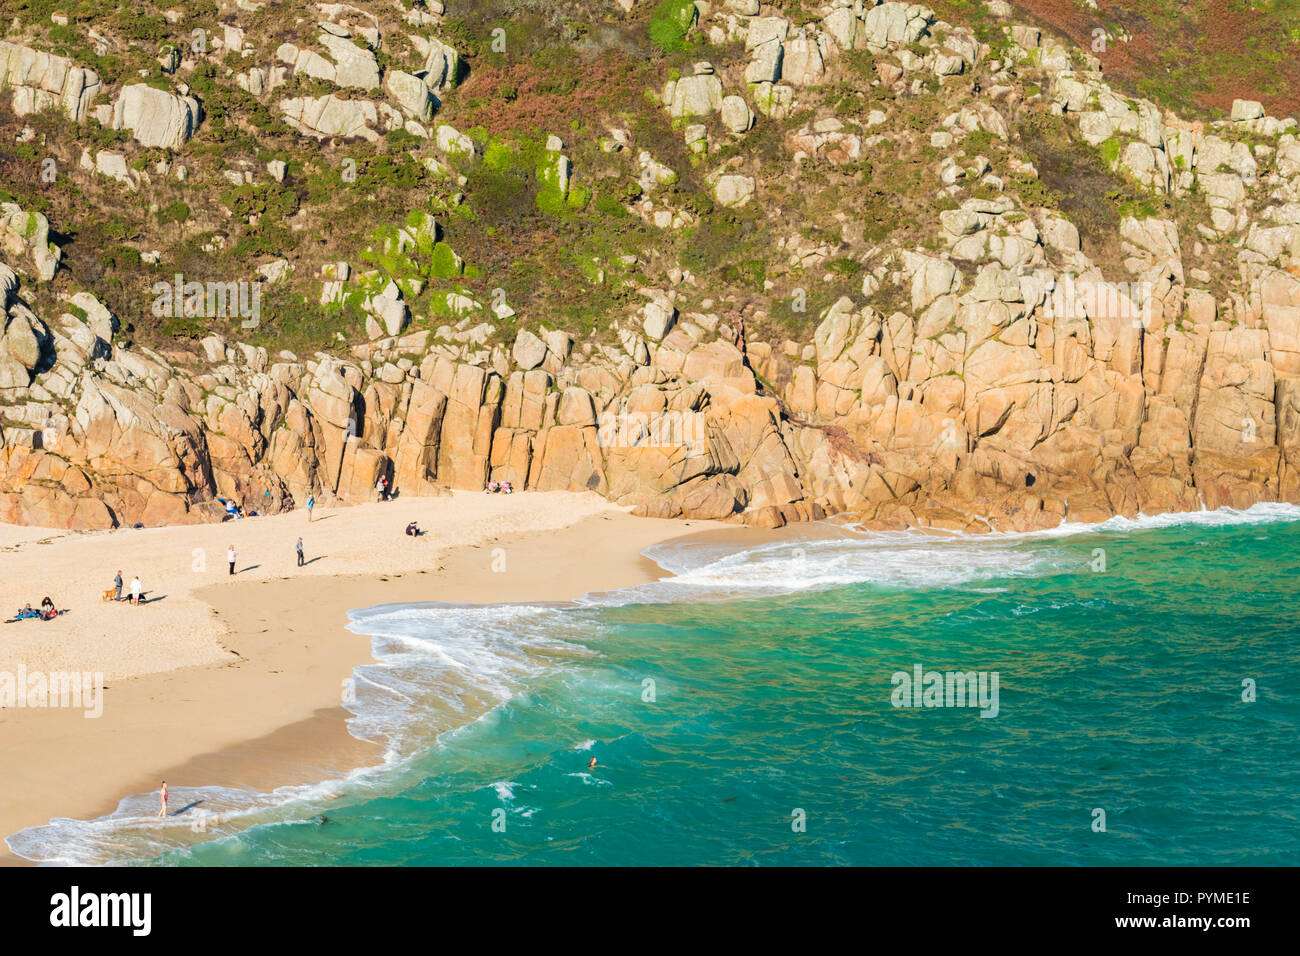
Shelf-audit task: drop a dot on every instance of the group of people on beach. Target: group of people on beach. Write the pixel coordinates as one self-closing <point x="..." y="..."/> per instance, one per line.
<point x="47" y="612"/>
<point x="498" y="488"/>
<point x="237" y="511"/>
<point x="137" y="589"/>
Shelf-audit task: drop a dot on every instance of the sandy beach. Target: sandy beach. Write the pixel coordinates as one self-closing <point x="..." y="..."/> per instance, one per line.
<point x="237" y="679"/>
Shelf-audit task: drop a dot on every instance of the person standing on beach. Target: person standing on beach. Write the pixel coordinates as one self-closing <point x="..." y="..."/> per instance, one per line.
<point x="311" y="503"/>
<point x="117" y="586"/>
<point x="299" y="548"/>
<point x="135" y="589"/>
<point x="230" y="556"/>
<point x="162" y="796"/>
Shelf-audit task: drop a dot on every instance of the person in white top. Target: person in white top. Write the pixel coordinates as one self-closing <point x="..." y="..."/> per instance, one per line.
<point x="135" y="589"/>
<point x="230" y="556"/>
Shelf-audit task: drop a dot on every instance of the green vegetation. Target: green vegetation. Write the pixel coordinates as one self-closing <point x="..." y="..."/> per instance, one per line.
<point x="1110" y="151"/>
<point x="177" y="211"/>
<point x="670" y="23"/>
<point x="569" y="247"/>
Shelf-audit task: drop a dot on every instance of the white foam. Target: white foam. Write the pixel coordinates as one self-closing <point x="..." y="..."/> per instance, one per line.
<point x="195" y="814"/>
<point x="896" y="559"/>
<point x="1265" y="512"/>
<point x="590" y="780"/>
<point x="505" y="789"/>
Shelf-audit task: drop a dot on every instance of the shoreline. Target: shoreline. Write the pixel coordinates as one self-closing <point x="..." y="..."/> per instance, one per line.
<point x="263" y="706"/>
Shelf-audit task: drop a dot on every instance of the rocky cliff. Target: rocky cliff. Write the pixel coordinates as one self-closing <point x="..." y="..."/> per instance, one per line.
<point x="994" y="363"/>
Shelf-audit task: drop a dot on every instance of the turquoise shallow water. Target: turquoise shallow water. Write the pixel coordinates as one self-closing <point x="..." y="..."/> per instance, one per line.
<point x="1119" y="689"/>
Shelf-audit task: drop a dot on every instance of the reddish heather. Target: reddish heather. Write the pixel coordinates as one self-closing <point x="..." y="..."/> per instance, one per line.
<point x="1214" y="31"/>
<point x="523" y="97"/>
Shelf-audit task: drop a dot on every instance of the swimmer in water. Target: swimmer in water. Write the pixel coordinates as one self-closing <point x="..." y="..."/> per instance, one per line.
<point x="592" y="765"/>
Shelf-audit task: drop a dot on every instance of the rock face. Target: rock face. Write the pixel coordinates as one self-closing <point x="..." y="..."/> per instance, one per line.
<point x="736" y="114"/>
<point x="25" y="240"/>
<point x="441" y="65"/>
<point x="734" y="190"/>
<point x="1039" y="405"/>
<point x="411" y="94"/>
<point x="156" y="117"/>
<point x="1001" y="381"/>
<point x="695" y="96"/>
<point x="347" y="64"/>
<point x="330" y="115"/>
<point x="40" y="80"/>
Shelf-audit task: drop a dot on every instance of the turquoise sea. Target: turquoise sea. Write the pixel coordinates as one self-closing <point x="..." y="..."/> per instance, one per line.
<point x="742" y="712"/>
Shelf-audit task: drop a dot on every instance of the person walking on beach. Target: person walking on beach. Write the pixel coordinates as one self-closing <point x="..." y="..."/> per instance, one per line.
<point x="135" y="589"/>
<point x="162" y="796"/>
<point x="311" y="503"/>
<point x="117" y="586"/>
<point x="230" y="556"/>
<point x="299" y="548"/>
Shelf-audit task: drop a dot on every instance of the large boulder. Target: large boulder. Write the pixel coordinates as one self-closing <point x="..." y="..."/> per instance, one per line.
<point x="734" y="190"/>
<point x="42" y="80"/>
<point x="412" y="96"/>
<point x="355" y="66"/>
<point x="736" y="114"/>
<point x="328" y="116"/>
<point x="528" y="351"/>
<point x="156" y="117"/>
<point x="895" y="24"/>
<point x="26" y="235"/>
<point x="20" y="341"/>
<point x="697" y="95"/>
